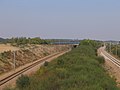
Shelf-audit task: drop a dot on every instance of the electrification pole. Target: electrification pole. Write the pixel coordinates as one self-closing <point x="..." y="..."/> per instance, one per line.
<point x="110" y="47"/>
<point x="116" y="49"/>
<point x="14" y="59"/>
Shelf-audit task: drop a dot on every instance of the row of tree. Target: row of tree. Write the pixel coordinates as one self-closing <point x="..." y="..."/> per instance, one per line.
<point x="24" y="40"/>
<point x="93" y="43"/>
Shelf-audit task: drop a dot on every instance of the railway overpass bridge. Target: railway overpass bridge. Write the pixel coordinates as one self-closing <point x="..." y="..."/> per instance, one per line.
<point x="72" y="43"/>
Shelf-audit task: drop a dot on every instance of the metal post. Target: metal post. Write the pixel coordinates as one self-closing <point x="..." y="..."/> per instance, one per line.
<point x="14" y="58"/>
<point x="59" y="41"/>
<point x="104" y="44"/>
<point x="116" y="49"/>
<point x="110" y="47"/>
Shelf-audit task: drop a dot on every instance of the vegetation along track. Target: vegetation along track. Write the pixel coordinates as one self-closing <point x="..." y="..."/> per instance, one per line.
<point x="10" y="77"/>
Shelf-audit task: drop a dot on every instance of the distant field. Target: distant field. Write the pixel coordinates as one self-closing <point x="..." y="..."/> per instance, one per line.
<point x="7" y="47"/>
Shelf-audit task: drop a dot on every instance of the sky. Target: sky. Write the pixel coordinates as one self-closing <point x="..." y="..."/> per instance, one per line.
<point x="69" y="19"/>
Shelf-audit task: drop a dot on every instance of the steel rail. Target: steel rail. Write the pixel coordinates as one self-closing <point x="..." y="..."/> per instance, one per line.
<point x="111" y="58"/>
<point x="12" y="76"/>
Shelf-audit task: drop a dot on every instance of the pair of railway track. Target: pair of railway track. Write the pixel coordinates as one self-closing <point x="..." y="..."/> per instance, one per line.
<point x="12" y="76"/>
<point x="111" y="58"/>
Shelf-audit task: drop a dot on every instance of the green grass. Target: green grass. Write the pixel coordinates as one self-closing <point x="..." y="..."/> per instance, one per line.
<point x="79" y="69"/>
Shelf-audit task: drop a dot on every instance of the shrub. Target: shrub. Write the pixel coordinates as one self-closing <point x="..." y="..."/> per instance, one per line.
<point x="100" y="59"/>
<point x="60" y="62"/>
<point x="23" y="81"/>
<point x="46" y="63"/>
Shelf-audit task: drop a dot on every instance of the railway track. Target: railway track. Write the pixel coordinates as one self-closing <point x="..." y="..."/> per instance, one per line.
<point x="12" y="76"/>
<point x="111" y="58"/>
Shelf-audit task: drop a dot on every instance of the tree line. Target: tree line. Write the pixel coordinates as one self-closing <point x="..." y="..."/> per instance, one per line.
<point x="24" y="40"/>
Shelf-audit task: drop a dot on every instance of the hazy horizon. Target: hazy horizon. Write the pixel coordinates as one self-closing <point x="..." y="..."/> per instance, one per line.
<point x="78" y="19"/>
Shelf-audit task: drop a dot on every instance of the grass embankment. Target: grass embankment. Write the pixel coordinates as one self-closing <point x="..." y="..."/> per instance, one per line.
<point x="79" y="69"/>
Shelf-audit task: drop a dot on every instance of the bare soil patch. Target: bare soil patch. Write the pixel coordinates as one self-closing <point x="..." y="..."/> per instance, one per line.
<point x="7" y="47"/>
